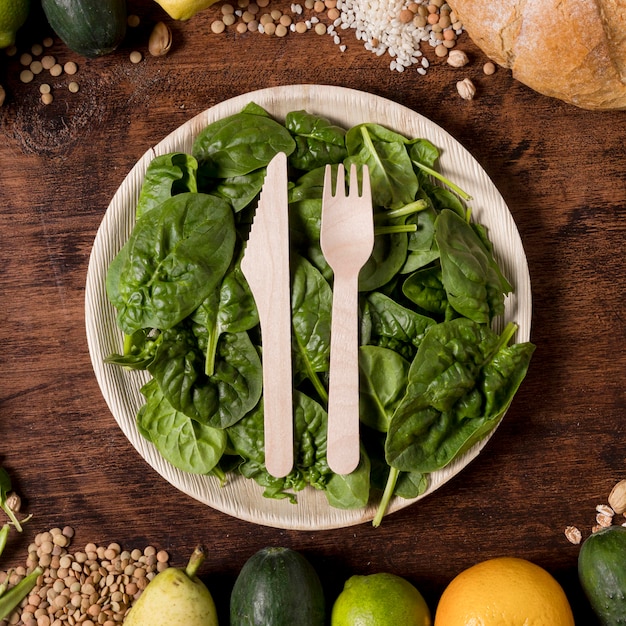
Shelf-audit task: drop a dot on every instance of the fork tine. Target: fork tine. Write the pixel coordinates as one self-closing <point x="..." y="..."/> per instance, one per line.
<point x="330" y="190"/>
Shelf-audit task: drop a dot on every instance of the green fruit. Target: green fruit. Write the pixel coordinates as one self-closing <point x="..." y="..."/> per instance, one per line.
<point x="602" y="574"/>
<point x="277" y="587"/>
<point x="175" y="597"/>
<point x="13" y="15"/>
<point x="380" y="599"/>
<point x="89" y="27"/>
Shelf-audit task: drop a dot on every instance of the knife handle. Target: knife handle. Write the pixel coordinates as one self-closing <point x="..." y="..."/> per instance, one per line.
<point x="277" y="388"/>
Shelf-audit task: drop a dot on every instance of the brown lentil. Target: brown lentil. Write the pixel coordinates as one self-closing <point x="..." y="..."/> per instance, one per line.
<point x="47" y="98"/>
<point x="136" y="57"/>
<point x="94" y="586"/>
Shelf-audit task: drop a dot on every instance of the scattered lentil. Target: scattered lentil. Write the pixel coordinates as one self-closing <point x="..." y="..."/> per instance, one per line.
<point x="36" y="67"/>
<point x="47" y="61"/>
<point x="133" y="21"/>
<point x="73" y="87"/>
<point x="86" y="588"/>
<point x="26" y="76"/>
<point x="26" y="59"/>
<point x="47" y="98"/>
<point x="47" y="42"/>
<point x="56" y="70"/>
<point x="44" y="88"/>
<point x="489" y="68"/>
<point x="70" y="68"/>
<point x="136" y="57"/>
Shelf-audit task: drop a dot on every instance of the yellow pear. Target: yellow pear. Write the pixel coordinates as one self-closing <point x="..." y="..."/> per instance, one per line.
<point x="184" y="9"/>
<point x="175" y="597"/>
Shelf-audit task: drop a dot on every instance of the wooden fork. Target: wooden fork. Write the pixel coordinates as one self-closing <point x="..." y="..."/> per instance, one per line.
<point x="347" y="240"/>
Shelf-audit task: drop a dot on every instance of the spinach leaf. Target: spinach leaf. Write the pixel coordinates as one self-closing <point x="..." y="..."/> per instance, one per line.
<point x="239" y="191"/>
<point x="310" y="467"/>
<point x="423" y="151"/>
<point x="394" y="183"/>
<point x="318" y="142"/>
<point x="187" y="444"/>
<point x="240" y="144"/>
<point x="472" y="284"/>
<point x="383" y="375"/>
<point x="139" y="349"/>
<point x="425" y="288"/>
<point x="392" y="325"/>
<point x="176" y="255"/>
<point x="311" y="303"/>
<point x="304" y="229"/>
<point x="218" y="400"/>
<point x="167" y="175"/>
<point x="350" y="491"/>
<point x="309" y="186"/>
<point x="230" y="308"/>
<point x="387" y="258"/>
<point x="460" y="383"/>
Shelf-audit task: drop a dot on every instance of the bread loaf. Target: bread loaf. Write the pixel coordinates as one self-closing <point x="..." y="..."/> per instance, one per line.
<point x="574" y="50"/>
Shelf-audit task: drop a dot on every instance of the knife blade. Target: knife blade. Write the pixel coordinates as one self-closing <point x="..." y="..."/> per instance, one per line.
<point x="265" y="264"/>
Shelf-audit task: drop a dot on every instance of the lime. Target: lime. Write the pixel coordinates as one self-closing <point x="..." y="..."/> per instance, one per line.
<point x="13" y="14"/>
<point x="380" y="600"/>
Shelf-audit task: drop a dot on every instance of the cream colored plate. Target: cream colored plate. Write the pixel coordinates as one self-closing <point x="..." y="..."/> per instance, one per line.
<point x="242" y="498"/>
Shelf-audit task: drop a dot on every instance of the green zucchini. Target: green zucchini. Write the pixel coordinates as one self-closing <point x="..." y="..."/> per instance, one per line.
<point x="91" y="28"/>
<point x="602" y="574"/>
<point x="277" y="587"/>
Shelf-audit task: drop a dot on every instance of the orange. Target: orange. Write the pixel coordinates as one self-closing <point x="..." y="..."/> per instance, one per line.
<point x="505" y="591"/>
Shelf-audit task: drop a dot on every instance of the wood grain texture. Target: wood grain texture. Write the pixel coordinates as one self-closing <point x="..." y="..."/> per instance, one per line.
<point x="556" y="455"/>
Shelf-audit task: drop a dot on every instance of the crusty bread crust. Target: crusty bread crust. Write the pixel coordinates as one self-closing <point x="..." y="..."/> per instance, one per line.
<point x="574" y="50"/>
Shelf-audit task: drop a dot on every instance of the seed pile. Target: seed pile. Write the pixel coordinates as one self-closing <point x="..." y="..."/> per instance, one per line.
<point x="396" y="27"/>
<point x="92" y="587"/>
<point x="399" y="28"/>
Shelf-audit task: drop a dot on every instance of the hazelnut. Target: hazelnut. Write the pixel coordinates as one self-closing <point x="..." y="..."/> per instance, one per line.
<point x="160" y="40"/>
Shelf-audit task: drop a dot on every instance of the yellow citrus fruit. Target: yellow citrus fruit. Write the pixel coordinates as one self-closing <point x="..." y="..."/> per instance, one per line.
<point x="13" y="14"/>
<point x="505" y="591"/>
<point x="184" y="9"/>
<point x="380" y="599"/>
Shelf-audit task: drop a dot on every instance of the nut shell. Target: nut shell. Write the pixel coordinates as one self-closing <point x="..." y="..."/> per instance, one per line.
<point x="160" y="40"/>
<point x="617" y="497"/>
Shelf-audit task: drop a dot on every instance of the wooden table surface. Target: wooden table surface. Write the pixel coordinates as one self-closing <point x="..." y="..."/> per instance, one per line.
<point x="561" y="171"/>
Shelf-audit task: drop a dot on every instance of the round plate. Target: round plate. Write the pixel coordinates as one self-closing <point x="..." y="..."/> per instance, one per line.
<point x="243" y="498"/>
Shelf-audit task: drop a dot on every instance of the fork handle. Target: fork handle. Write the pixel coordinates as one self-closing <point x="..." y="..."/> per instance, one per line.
<point x="343" y="393"/>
